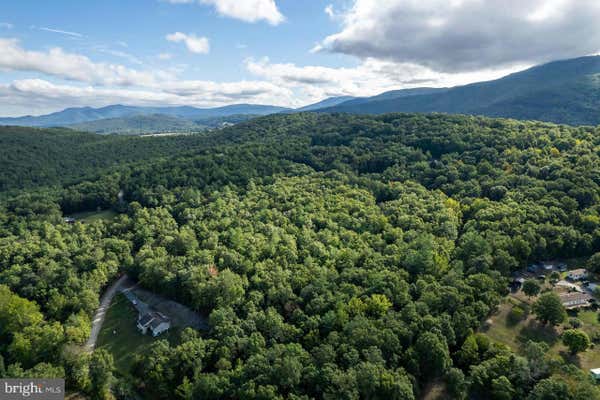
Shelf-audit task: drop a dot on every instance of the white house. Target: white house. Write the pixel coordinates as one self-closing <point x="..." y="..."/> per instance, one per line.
<point x="154" y="321"/>
<point x="577" y="274"/>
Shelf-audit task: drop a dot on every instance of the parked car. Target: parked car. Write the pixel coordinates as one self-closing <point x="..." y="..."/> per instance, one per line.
<point x="532" y="268"/>
<point x="562" y="267"/>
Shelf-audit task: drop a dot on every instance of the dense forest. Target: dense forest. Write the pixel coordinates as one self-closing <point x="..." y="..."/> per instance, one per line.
<point x="33" y="157"/>
<point x="336" y="256"/>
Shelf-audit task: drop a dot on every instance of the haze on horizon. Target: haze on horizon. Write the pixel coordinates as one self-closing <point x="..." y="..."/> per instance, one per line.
<point x="208" y="53"/>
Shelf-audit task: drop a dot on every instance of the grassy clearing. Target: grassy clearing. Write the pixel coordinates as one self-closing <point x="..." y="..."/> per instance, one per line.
<point x="120" y="336"/>
<point x="499" y="329"/>
<point x="91" y="216"/>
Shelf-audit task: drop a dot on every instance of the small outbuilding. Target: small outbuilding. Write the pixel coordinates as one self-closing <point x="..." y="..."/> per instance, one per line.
<point x="548" y="266"/>
<point x="595" y="372"/>
<point x="577" y="274"/>
<point x="517" y="283"/>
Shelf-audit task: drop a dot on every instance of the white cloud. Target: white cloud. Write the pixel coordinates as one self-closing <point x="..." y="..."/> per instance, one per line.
<point x="283" y="84"/>
<point x="165" y="56"/>
<point x="329" y="11"/>
<point x="103" y="83"/>
<point x="245" y="10"/>
<point x="6" y="25"/>
<point x="467" y="35"/>
<point x="118" y="53"/>
<point x="68" y="33"/>
<point x="36" y="96"/>
<point x="195" y="44"/>
<point x="369" y="78"/>
<point x="70" y="66"/>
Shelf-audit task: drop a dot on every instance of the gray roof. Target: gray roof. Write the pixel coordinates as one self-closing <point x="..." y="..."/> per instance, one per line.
<point x="156" y="322"/>
<point x="145" y="319"/>
<point x="578" y="298"/>
<point x="152" y="319"/>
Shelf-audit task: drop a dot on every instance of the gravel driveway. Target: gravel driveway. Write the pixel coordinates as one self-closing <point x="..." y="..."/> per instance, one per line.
<point x="100" y="313"/>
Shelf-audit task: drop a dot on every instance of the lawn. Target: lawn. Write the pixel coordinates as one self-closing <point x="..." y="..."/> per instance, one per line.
<point x="91" y="216"/>
<point x="499" y="329"/>
<point x="120" y="336"/>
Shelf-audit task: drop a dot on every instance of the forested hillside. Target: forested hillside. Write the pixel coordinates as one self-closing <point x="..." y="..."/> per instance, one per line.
<point x="33" y="157"/>
<point x="139" y="124"/>
<point x="336" y="256"/>
<point x="157" y="123"/>
<point x="565" y="92"/>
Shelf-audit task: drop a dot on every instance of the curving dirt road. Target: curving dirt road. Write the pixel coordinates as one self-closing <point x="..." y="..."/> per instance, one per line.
<point x="100" y="313"/>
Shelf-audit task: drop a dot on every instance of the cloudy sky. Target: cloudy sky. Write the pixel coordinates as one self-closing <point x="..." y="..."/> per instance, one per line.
<point x="206" y="53"/>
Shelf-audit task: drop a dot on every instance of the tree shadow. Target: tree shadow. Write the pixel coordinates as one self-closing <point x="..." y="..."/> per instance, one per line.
<point x="538" y="332"/>
<point x="571" y="358"/>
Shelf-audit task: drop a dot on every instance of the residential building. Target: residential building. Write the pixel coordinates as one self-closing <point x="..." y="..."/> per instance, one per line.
<point x="154" y="321"/>
<point x="573" y="300"/>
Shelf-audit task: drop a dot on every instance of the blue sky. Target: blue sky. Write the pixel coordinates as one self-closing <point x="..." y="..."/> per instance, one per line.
<point x="57" y="54"/>
<point x="142" y="26"/>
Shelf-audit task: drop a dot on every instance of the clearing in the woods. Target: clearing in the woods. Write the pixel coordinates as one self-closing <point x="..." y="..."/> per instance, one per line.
<point x="120" y="336"/>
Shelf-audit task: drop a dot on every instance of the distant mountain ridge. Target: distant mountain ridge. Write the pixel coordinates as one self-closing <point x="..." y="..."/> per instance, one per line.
<point x="329" y="102"/>
<point x="71" y="116"/>
<point x="565" y="92"/>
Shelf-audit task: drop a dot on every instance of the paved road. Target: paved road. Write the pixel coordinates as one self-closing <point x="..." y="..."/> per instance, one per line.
<point x="100" y="313"/>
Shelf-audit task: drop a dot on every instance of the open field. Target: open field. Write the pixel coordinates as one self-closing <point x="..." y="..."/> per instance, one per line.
<point x="499" y="328"/>
<point x="120" y="336"/>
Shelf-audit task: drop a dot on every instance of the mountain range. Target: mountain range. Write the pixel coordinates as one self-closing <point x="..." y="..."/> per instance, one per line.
<point x="566" y="91"/>
<point x="71" y="116"/>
